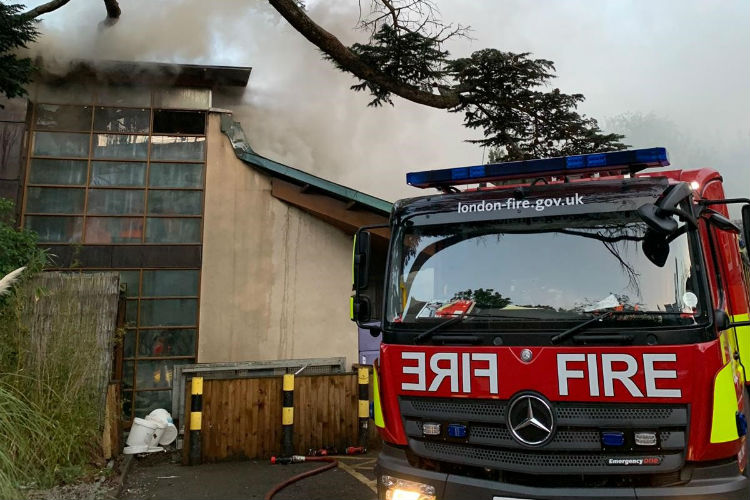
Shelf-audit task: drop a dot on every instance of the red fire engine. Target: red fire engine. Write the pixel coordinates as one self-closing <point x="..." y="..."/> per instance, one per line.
<point x="563" y="328"/>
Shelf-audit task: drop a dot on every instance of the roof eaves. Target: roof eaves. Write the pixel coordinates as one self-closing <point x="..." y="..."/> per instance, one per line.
<point x="243" y="150"/>
<point x="146" y="73"/>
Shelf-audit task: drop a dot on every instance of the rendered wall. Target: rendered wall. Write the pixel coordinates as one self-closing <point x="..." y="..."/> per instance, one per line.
<point x="276" y="281"/>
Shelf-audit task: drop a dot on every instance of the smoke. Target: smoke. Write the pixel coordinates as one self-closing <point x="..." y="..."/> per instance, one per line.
<point x="684" y="63"/>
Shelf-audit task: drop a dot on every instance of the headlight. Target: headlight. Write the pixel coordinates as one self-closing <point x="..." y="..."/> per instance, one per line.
<point x="400" y="489"/>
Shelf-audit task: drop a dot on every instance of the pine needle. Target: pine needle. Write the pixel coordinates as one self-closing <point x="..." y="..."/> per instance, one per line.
<point x="7" y="282"/>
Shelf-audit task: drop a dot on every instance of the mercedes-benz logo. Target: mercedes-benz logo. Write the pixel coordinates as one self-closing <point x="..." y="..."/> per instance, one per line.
<point x="530" y="419"/>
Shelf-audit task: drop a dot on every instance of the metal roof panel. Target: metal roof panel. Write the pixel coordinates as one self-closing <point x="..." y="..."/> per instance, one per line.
<point x="245" y="152"/>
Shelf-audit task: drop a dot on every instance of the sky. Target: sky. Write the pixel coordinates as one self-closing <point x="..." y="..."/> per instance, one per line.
<point x="673" y="73"/>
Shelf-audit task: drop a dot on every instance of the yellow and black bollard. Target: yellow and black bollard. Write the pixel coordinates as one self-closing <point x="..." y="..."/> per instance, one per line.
<point x="363" y="380"/>
<point x="196" y="409"/>
<point x="287" y="415"/>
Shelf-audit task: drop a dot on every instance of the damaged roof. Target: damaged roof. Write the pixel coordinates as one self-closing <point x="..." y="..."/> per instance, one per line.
<point x="244" y="152"/>
<point x="147" y="73"/>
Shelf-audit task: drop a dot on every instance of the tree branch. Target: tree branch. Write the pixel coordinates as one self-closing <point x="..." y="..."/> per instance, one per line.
<point x="393" y="12"/>
<point x="43" y="9"/>
<point x="113" y="9"/>
<point x="349" y="61"/>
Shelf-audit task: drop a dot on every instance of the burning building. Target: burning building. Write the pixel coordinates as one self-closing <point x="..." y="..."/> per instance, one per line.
<point x="226" y="255"/>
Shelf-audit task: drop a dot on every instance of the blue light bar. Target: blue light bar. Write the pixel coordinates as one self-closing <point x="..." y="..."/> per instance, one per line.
<point x="617" y="161"/>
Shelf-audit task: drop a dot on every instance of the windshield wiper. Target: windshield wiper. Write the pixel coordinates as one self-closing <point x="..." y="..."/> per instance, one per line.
<point x="455" y="319"/>
<point x="428" y="333"/>
<point x="572" y="331"/>
<point x="504" y="316"/>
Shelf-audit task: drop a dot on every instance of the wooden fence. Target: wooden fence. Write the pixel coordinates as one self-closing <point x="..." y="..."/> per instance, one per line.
<point x="71" y="320"/>
<point x="69" y="333"/>
<point x="242" y="417"/>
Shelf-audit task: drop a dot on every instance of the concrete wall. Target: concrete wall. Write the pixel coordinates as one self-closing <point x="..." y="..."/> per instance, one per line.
<point x="276" y="281"/>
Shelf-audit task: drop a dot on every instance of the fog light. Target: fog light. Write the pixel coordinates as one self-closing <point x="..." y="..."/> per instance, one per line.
<point x="430" y="429"/>
<point x="400" y="489"/>
<point x="645" y="438"/>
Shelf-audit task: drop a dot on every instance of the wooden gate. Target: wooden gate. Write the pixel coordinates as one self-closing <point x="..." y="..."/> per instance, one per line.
<point x="242" y="416"/>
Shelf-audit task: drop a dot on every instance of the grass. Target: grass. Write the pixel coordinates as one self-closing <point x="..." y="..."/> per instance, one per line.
<point x="49" y="405"/>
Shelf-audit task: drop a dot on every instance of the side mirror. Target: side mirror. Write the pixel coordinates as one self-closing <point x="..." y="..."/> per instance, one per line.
<point x="655" y="247"/>
<point x="361" y="309"/>
<point x="746" y="226"/>
<point x="361" y="260"/>
<point x="721" y="222"/>
<point x="722" y="320"/>
<point x="368" y="268"/>
<point x="656" y="221"/>
<point x="675" y="196"/>
<point x="659" y="216"/>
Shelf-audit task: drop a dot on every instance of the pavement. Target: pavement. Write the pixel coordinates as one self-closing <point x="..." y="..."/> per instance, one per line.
<point x="161" y="476"/>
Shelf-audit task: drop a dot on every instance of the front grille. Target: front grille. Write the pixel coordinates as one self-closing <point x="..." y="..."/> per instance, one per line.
<point x="595" y="415"/>
<point x="485" y="432"/>
<point x="538" y="462"/>
<point x="634" y="414"/>
<point x="545" y="460"/>
<point x="502" y="433"/>
<point x="575" y="447"/>
<point x="450" y="407"/>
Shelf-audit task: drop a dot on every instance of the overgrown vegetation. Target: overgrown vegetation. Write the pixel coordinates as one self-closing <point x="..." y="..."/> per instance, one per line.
<point x="18" y="246"/>
<point x="48" y="407"/>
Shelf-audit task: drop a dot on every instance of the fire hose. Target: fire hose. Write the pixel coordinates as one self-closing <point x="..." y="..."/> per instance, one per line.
<point x="296" y="459"/>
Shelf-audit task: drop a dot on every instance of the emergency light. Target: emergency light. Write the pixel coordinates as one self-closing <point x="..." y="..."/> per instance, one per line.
<point x="616" y="162"/>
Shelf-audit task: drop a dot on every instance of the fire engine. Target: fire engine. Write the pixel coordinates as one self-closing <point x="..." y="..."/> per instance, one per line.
<point x="561" y="328"/>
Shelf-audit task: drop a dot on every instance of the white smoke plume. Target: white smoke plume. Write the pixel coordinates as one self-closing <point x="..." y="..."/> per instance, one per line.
<point x="685" y="63"/>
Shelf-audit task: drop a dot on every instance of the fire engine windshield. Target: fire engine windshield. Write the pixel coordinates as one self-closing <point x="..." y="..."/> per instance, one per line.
<point x="530" y="271"/>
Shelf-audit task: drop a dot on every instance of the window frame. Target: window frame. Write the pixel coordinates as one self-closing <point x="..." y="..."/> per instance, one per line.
<point x="135" y="297"/>
<point x="90" y="160"/>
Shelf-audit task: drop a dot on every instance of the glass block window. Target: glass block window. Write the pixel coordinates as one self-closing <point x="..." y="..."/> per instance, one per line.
<point x="119" y="173"/>
<point x="115" y="174"/>
<point x="161" y="330"/>
<point x="146" y="402"/>
<point x="55" y="200"/>
<point x="164" y="230"/>
<point x="108" y="230"/>
<point x="125" y="120"/>
<point x="178" y="148"/>
<point x="116" y="201"/>
<point x="169" y="283"/>
<point x="55" y="228"/>
<point x="120" y="146"/>
<point x="58" y="172"/>
<point x="128" y="168"/>
<point x="175" y="202"/>
<point x="176" y="175"/>
<point x="62" y="117"/>
<point x="62" y="144"/>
